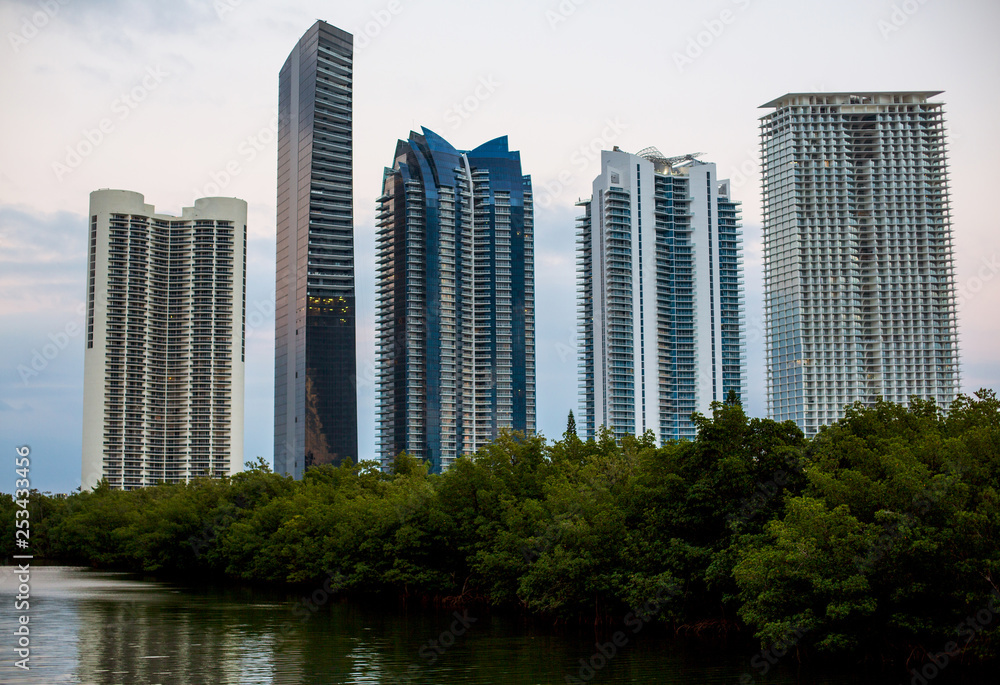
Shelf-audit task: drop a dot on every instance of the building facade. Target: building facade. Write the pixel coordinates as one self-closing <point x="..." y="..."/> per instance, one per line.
<point x="858" y="268"/>
<point x="315" y="381"/>
<point x="660" y="295"/>
<point x="165" y="341"/>
<point x="455" y="299"/>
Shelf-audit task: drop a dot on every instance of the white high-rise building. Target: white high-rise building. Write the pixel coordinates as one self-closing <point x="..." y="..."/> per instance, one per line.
<point x="858" y="268"/>
<point x="165" y="341"/>
<point x="661" y="314"/>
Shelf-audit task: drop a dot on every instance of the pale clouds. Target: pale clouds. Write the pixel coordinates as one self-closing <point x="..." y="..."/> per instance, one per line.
<point x="557" y="86"/>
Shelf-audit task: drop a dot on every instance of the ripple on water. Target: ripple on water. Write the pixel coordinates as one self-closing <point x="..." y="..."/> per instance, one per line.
<point x="98" y="627"/>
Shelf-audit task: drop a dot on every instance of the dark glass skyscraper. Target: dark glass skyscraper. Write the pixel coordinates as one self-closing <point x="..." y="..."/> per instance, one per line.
<point x="456" y="299"/>
<point x="315" y="393"/>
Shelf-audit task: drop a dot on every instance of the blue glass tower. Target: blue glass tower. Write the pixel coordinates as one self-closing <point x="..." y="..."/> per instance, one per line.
<point x="455" y="338"/>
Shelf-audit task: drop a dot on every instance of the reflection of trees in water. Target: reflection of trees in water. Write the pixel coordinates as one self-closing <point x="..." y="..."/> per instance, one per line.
<point x="140" y="633"/>
<point x="167" y="640"/>
<point x="249" y="636"/>
<point x="238" y="635"/>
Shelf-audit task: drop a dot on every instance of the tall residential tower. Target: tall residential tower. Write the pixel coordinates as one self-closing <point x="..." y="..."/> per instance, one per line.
<point x="456" y="299"/>
<point x="858" y="268"/>
<point x="315" y="389"/>
<point x="660" y="295"/>
<point x="165" y="341"/>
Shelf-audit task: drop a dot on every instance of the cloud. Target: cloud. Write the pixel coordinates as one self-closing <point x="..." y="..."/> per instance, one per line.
<point x="7" y="405"/>
<point x="123" y="17"/>
<point x="42" y="261"/>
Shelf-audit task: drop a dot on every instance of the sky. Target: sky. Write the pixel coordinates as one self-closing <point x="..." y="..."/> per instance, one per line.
<point x="178" y="101"/>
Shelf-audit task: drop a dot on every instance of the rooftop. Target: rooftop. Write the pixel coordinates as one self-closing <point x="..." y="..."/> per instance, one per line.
<point x="872" y="97"/>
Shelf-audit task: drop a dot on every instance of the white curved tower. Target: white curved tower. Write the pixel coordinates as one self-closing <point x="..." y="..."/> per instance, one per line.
<point x="165" y="341"/>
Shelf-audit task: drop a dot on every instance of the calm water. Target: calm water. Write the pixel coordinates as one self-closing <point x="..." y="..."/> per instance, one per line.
<point x="99" y="627"/>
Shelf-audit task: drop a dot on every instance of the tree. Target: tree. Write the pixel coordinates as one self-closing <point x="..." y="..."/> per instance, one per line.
<point x="895" y="538"/>
<point x="570" y="426"/>
<point x="882" y="533"/>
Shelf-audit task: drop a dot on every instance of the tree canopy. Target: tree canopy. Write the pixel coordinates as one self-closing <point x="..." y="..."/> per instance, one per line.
<point x="878" y="536"/>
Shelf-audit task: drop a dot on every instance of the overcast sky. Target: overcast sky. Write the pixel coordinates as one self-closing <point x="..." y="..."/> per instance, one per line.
<point x="187" y="94"/>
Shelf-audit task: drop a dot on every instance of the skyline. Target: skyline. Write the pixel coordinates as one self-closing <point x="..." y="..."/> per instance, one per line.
<point x="143" y="80"/>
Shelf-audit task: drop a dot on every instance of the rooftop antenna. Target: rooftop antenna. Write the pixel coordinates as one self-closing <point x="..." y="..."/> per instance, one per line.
<point x="657" y="157"/>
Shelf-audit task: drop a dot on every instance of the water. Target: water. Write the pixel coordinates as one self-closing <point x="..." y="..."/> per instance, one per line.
<point x="98" y="627"/>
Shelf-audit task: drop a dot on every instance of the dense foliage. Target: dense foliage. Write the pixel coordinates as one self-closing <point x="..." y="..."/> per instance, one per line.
<point x="878" y="536"/>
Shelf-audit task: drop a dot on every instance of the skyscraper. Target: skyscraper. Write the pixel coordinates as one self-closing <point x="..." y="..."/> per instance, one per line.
<point x="858" y="268"/>
<point x="315" y="389"/>
<point x="456" y="299"/>
<point x="659" y="263"/>
<point x="165" y="341"/>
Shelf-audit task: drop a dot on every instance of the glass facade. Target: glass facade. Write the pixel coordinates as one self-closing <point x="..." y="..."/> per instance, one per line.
<point x="455" y="274"/>
<point x="315" y="395"/>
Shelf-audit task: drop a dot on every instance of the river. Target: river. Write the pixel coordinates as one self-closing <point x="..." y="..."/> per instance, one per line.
<point x="99" y="627"/>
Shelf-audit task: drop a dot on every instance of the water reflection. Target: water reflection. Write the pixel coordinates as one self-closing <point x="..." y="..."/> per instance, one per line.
<point x="103" y="628"/>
